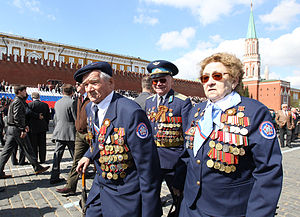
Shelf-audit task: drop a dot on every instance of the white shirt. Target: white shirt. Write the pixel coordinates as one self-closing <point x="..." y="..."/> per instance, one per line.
<point x="103" y="106"/>
<point x="158" y="99"/>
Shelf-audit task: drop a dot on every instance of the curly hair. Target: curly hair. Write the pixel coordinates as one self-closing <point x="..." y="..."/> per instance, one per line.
<point x="233" y="65"/>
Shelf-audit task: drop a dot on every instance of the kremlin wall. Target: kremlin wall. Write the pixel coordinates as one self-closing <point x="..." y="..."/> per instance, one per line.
<point x="31" y="72"/>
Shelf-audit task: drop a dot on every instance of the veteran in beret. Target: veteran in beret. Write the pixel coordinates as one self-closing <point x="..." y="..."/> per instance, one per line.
<point x="232" y="153"/>
<point x="122" y="148"/>
<point x="167" y="111"/>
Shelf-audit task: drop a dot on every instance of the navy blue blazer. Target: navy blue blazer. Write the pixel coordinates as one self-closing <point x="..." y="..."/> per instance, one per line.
<point x="138" y="193"/>
<point x="253" y="189"/>
<point x="179" y="105"/>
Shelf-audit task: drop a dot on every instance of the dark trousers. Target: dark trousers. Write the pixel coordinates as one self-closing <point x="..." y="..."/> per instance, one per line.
<point x="168" y="176"/>
<point x="283" y="130"/>
<point x="81" y="146"/>
<point x="58" y="153"/>
<point x="12" y="141"/>
<point x="38" y="142"/>
<point x="14" y="159"/>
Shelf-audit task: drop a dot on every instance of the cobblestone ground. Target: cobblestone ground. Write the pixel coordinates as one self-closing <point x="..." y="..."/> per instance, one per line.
<point x="28" y="195"/>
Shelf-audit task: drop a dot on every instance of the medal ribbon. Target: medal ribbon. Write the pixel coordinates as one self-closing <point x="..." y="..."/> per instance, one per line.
<point x="161" y="113"/>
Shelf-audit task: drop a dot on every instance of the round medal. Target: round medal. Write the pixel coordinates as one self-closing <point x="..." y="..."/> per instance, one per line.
<point x="242" y="152"/>
<point x="106" y="122"/>
<point x="244" y="131"/>
<point x="219" y="146"/>
<point x="227" y="169"/>
<point x="222" y="168"/>
<point x="240" y="114"/>
<point x="217" y="165"/>
<point x="226" y="148"/>
<point x="210" y="163"/>
<point x="123" y="175"/>
<point x="109" y="175"/>
<point x="212" y="144"/>
<point x="115" y="176"/>
<point x="233" y="168"/>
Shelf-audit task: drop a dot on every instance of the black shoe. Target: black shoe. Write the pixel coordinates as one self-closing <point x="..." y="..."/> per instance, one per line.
<point x="43" y="169"/>
<point x="56" y="181"/>
<point x="23" y="163"/>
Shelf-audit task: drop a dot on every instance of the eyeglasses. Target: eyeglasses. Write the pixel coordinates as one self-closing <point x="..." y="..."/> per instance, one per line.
<point x="162" y="81"/>
<point x="217" y="76"/>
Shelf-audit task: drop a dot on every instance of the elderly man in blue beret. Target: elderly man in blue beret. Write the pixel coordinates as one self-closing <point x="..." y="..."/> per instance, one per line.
<point x="122" y="148"/>
<point x="168" y="111"/>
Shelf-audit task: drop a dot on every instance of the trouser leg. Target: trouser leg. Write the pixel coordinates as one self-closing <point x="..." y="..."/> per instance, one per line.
<point x="27" y="149"/>
<point x="7" y="151"/>
<point x="81" y="146"/>
<point x="58" y="153"/>
<point x="42" y="147"/>
<point x="288" y="137"/>
<point x="281" y="135"/>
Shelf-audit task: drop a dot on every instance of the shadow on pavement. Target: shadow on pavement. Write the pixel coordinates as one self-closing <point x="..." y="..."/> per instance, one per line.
<point x="29" y="211"/>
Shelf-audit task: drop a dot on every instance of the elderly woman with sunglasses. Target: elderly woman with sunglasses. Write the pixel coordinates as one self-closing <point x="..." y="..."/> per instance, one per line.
<point x="232" y="154"/>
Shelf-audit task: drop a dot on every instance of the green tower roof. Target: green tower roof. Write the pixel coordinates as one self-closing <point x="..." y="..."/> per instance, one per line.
<point x="251" y="26"/>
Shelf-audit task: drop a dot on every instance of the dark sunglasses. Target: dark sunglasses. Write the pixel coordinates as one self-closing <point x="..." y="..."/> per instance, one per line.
<point x="162" y="81"/>
<point x="217" y="76"/>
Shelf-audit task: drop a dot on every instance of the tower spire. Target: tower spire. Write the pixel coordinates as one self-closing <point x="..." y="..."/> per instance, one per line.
<point x="251" y="26"/>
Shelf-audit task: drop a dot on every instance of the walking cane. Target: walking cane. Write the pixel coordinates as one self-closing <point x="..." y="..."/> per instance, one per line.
<point x="83" y="195"/>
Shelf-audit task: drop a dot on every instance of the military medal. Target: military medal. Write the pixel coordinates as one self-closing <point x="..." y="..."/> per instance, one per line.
<point x="210" y="163"/>
<point x="244" y="131"/>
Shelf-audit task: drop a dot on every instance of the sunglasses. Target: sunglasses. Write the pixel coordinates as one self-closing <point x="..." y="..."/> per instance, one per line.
<point x="162" y="81"/>
<point x="217" y="76"/>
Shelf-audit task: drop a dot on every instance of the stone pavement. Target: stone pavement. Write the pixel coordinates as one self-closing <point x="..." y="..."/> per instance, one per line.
<point x="28" y="195"/>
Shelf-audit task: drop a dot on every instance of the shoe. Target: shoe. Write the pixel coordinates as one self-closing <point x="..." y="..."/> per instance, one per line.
<point x="56" y="181"/>
<point x="3" y="176"/>
<point x="43" y="169"/>
<point x="64" y="190"/>
<point x="69" y="194"/>
<point x="24" y="163"/>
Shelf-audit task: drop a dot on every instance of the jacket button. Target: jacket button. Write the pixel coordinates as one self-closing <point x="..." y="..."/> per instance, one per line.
<point x="198" y="183"/>
<point x="198" y="161"/>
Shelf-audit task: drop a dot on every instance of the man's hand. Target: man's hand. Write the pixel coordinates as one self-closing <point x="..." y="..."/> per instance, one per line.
<point x="82" y="165"/>
<point x="176" y="192"/>
<point x="23" y="135"/>
<point x="41" y="116"/>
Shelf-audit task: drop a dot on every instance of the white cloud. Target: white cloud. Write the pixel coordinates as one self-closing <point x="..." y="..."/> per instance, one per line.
<point x="189" y="64"/>
<point x="176" y="39"/>
<point x="206" y="11"/>
<point x="32" y="6"/>
<point x="281" y="52"/>
<point x="282" y="15"/>
<point x="145" y="19"/>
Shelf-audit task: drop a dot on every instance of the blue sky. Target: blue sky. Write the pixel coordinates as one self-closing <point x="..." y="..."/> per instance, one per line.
<point x="181" y="31"/>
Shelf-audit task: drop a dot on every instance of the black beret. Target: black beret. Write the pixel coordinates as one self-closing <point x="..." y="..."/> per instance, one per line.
<point x="102" y="66"/>
<point x="160" y="68"/>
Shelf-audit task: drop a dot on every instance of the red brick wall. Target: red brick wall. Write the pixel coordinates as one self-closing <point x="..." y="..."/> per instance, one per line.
<point x="33" y="73"/>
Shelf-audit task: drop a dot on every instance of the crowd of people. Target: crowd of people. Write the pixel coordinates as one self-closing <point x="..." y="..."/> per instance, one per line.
<point x="218" y="157"/>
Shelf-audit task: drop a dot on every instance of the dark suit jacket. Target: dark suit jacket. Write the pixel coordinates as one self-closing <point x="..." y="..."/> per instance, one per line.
<point x="37" y="125"/>
<point x="136" y="195"/>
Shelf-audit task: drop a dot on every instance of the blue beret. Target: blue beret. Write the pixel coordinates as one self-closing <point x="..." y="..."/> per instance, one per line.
<point x="102" y="66"/>
<point x="159" y="68"/>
